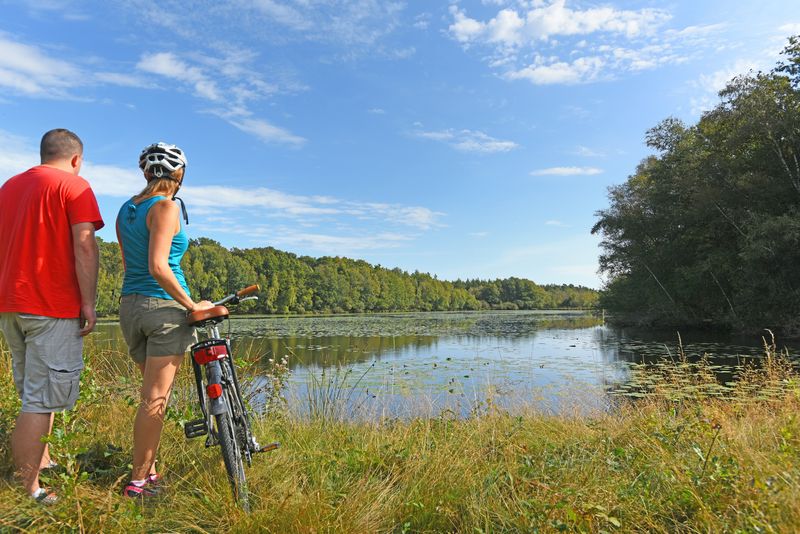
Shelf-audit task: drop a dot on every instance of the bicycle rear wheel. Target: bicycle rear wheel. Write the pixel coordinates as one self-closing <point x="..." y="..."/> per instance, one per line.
<point x="232" y="456"/>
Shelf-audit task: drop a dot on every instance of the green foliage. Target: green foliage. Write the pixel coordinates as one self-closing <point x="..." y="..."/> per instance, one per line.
<point x="706" y="232"/>
<point x="301" y="284"/>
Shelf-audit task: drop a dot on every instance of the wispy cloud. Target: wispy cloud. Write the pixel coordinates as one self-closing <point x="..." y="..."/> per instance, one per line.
<point x="320" y="223"/>
<point x="567" y="171"/>
<point x="166" y="64"/>
<point x="705" y="89"/>
<point x="353" y="27"/>
<point x="33" y="71"/>
<point x="229" y="85"/>
<point x="67" y="9"/>
<point x="267" y="132"/>
<point x="587" y="152"/>
<point x="790" y="28"/>
<point x="16" y="155"/>
<point x="555" y="36"/>
<point x="30" y="71"/>
<point x="469" y="140"/>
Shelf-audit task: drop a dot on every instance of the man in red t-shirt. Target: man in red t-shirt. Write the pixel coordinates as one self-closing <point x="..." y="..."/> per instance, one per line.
<point x="48" y="286"/>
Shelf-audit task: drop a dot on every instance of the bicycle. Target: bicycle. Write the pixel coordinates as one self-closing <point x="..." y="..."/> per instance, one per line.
<point x="225" y="420"/>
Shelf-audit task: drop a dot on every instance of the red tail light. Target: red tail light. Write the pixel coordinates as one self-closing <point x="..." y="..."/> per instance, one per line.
<point x="214" y="391"/>
<point x="209" y="351"/>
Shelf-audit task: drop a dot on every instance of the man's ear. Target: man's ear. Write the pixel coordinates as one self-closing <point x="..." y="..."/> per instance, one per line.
<point x="76" y="162"/>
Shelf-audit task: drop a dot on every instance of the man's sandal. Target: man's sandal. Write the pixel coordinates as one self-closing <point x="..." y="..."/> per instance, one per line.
<point x="43" y="496"/>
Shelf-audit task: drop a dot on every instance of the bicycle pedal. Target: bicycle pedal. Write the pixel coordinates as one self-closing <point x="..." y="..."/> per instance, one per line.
<point x="270" y="447"/>
<point x="195" y="429"/>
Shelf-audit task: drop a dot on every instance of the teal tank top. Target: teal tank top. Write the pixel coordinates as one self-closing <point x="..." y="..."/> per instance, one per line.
<point x="135" y="241"/>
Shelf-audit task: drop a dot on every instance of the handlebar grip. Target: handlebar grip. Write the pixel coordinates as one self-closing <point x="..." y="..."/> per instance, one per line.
<point x="248" y="291"/>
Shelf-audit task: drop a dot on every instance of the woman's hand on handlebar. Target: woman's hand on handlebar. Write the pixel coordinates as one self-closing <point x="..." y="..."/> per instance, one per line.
<point x="202" y="305"/>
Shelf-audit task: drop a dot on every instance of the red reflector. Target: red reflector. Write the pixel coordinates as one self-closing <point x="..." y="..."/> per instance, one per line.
<point x="214" y="391"/>
<point x="205" y="354"/>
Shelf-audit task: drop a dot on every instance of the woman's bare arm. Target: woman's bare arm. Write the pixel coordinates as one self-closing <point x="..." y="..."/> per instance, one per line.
<point x="163" y="223"/>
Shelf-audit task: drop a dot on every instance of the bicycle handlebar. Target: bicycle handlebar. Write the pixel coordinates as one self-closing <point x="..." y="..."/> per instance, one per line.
<point x="249" y="290"/>
<point x="239" y="294"/>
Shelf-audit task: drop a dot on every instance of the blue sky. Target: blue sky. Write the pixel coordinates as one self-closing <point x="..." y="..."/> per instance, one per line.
<point x="461" y="138"/>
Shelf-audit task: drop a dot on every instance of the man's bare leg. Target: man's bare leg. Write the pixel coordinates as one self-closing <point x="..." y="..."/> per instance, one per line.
<point x="46" y="454"/>
<point x="27" y="447"/>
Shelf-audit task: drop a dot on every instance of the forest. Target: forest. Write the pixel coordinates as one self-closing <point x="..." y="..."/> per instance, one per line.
<point x="302" y="284"/>
<point x="707" y="230"/>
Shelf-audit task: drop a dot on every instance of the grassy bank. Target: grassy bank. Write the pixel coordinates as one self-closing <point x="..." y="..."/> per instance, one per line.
<point x="679" y="460"/>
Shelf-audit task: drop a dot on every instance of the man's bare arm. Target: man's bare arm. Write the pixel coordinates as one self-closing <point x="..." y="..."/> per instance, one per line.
<point x="87" y="264"/>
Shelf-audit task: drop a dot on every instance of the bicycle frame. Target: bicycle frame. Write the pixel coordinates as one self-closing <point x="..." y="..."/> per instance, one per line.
<point x="225" y="419"/>
<point x="209" y="354"/>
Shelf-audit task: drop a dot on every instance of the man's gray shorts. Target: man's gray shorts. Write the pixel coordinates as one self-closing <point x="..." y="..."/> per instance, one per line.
<point x="47" y="359"/>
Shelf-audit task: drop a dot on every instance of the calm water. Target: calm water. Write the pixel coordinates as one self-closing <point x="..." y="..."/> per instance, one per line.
<point x="401" y="365"/>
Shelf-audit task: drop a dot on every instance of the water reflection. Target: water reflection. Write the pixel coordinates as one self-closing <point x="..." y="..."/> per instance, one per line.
<point x="430" y="363"/>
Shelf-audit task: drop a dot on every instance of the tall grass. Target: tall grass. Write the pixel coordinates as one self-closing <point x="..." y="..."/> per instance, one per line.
<point x="696" y="462"/>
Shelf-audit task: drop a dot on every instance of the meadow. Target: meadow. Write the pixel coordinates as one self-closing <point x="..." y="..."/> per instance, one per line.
<point x="683" y="454"/>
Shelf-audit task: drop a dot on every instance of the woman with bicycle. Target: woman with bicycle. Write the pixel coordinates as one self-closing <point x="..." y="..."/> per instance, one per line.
<point x="155" y="300"/>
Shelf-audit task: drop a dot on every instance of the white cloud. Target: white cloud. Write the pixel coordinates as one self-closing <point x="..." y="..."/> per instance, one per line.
<point x="113" y="181"/>
<point x="357" y="26"/>
<point x="585" y="69"/>
<point x="267" y="132"/>
<point x="27" y="70"/>
<point x="587" y="152"/>
<point x="16" y="155"/>
<point x="283" y="14"/>
<point x="469" y="140"/>
<point x="340" y="245"/>
<point x="422" y="21"/>
<point x="228" y="83"/>
<point x="571" y="45"/>
<point x="791" y="28"/>
<point x="123" y="80"/>
<point x="708" y="85"/>
<point x="377" y="111"/>
<point x="567" y="171"/>
<point x="168" y="65"/>
<point x="512" y="28"/>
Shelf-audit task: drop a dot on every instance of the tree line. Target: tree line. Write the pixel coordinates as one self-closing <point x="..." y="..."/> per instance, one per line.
<point x="707" y="230"/>
<point x="302" y="284"/>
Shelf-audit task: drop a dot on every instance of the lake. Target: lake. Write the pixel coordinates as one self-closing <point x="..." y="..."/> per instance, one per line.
<point x="429" y="364"/>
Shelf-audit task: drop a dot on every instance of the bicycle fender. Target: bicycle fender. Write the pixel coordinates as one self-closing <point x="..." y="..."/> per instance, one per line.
<point x="217" y="406"/>
<point x="214" y="376"/>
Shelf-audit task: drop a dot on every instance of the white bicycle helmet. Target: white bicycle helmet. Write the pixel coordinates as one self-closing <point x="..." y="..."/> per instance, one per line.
<point x="161" y="158"/>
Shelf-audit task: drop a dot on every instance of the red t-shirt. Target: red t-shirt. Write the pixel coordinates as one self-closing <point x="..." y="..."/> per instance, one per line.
<point x="37" y="261"/>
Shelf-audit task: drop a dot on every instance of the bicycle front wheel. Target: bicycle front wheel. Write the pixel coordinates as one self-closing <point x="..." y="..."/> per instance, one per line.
<point x="232" y="456"/>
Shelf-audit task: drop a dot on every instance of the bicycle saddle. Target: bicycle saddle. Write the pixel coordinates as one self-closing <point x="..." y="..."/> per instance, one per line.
<point x="213" y="315"/>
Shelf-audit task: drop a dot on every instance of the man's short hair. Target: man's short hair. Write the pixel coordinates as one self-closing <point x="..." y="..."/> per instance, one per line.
<point x="59" y="144"/>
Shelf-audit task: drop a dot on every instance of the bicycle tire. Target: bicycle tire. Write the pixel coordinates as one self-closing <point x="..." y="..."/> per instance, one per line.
<point x="238" y="411"/>
<point x="232" y="456"/>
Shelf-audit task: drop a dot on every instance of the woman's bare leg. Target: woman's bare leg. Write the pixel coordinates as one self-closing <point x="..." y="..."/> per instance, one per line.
<point x="158" y="374"/>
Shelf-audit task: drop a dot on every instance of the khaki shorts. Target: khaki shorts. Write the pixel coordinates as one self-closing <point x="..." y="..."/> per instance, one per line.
<point x="154" y="327"/>
<point x="47" y="359"/>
